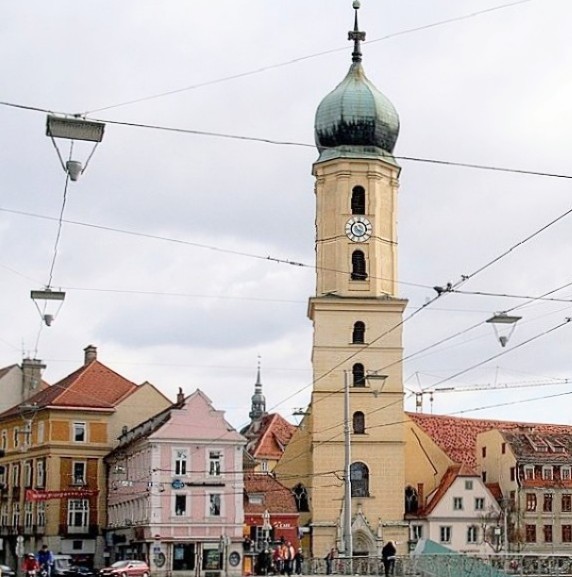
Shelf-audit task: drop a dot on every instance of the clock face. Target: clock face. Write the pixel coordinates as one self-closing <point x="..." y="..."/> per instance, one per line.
<point x="358" y="229"/>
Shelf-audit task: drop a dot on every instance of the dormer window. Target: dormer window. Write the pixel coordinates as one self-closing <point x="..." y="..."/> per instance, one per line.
<point x="529" y="472"/>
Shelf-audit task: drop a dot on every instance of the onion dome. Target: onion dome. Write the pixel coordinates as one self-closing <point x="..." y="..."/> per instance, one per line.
<point x="356" y="119"/>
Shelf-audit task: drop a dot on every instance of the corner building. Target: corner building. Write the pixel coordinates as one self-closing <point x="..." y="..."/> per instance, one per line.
<point x="357" y="318"/>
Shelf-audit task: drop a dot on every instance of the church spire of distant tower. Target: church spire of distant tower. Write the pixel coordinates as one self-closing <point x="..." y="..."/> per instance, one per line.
<point x="258" y="404"/>
<point x="356" y="35"/>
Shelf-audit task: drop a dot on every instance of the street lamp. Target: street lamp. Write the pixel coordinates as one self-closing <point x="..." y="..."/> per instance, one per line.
<point x="503" y="325"/>
<point x="47" y="295"/>
<point x="74" y="128"/>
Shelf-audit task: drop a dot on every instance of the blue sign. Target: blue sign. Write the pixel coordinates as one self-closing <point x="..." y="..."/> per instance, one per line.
<point x="177" y="484"/>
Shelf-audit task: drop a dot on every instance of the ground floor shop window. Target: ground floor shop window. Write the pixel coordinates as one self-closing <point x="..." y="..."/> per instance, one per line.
<point x="212" y="557"/>
<point x="183" y="557"/>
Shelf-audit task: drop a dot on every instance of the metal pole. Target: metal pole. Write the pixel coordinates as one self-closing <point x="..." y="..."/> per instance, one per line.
<point x="348" y="545"/>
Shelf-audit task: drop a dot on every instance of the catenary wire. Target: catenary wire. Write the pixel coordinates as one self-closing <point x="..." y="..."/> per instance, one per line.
<point x="307" y="145"/>
<point x="424" y="27"/>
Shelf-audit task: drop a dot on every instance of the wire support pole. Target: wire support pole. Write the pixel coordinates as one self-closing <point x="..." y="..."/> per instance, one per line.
<point x="348" y="544"/>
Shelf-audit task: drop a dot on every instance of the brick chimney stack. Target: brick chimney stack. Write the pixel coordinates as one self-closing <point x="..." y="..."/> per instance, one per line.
<point x="31" y="376"/>
<point x="90" y="354"/>
<point x="180" y="396"/>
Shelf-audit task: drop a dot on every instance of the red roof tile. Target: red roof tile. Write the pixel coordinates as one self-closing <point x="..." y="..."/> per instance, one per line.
<point x="268" y="437"/>
<point x="276" y="498"/>
<point x="446" y="481"/>
<point x="457" y="436"/>
<point x="92" y="386"/>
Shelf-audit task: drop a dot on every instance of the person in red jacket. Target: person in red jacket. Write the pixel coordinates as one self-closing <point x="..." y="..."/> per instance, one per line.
<point x="30" y="564"/>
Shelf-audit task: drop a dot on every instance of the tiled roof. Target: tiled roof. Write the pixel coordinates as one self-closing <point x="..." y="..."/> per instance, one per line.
<point x="446" y="481"/>
<point x="495" y="490"/>
<point x="91" y="386"/>
<point x="457" y="436"/>
<point x="268" y="437"/>
<point x="276" y="498"/>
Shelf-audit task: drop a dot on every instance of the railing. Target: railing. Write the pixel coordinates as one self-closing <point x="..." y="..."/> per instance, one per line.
<point x="518" y="565"/>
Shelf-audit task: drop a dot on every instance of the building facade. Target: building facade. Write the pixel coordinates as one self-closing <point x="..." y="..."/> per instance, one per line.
<point x="175" y="491"/>
<point x="533" y="467"/>
<point x="356" y="314"/>
<point x="53" y="479"/>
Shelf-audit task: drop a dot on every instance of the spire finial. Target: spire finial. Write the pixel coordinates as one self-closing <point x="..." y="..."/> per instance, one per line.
<point x="258" y="383"/>
<point x="258" y="405"/>
<point x="356" y="35"/>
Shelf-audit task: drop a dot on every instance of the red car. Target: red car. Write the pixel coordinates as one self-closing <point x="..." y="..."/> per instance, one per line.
<point x="127" y="568"/>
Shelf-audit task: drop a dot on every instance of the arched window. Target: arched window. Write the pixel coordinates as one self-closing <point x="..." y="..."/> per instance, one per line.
<point x="358" y="374"/>
<point x="359" y="423"/>
<point x="358" y="266"/>
<point x="359" y="476"/>
<point x="301" y="494"/>
<point x="411" y="500"/>
<point x="358" y="200"/>
<point x="358" y="334"/>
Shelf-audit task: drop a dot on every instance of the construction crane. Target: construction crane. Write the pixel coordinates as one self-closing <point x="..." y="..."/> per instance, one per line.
<point x="483" y="387"/>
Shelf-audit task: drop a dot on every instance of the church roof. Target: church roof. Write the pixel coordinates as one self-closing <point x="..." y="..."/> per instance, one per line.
<point x="457" y="436"/>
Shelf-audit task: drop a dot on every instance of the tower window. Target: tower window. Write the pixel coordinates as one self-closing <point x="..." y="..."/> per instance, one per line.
<point x="359" y="423"/>
<point x="358" y="200"/>
<point x="302" y="501"/>
<point x="359" y="476"/>
<point x="358" y="374"/>
<point x="358" y="266"/>
<point x="358" y="334"/>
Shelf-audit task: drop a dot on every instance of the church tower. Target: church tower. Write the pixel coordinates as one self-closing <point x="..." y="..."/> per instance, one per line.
<point x="357" y="316"/>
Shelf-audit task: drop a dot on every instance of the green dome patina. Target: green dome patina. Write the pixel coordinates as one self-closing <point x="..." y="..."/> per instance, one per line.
<point x="356" y="118"/>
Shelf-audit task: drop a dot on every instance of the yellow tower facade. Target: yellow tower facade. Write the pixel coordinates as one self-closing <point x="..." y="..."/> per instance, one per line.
<point x="356" y="415"/>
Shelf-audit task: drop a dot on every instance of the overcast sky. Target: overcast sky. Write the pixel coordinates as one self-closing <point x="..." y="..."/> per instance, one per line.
<point x="492" y="89"/>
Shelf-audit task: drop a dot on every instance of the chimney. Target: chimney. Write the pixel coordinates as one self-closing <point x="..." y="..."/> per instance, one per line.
<point x="180" y="396"/>
<point x="31" y="376"/>
<point x="90" y="353"/>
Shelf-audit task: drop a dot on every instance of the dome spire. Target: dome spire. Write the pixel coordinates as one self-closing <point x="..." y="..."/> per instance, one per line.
<point x="356" y="35"/>
<point x="258" y="401"/>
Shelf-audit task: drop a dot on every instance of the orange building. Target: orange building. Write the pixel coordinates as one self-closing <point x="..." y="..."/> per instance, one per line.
<point x="52" y="475"/>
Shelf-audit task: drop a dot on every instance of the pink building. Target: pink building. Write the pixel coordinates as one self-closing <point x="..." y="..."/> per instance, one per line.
<point x="176" y="491"/>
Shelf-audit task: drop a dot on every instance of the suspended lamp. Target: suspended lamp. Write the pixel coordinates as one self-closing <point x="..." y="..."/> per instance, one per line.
<point x="74" y="128"/>
<point x="503" y="325"/>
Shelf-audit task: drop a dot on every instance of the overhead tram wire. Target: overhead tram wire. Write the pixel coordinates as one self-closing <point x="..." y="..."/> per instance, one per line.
<point x="197" y="245"/>
<point x="388" y="405"/>
<point x="450" y="288"/>
<point x="262" y="69"/>
<point x="486" y="167"/>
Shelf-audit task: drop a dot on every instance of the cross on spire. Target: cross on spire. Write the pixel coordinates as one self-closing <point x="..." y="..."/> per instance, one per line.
<point x="356" y="35"/>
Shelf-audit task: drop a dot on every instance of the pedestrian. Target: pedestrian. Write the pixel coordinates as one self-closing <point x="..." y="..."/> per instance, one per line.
<point x="388" y="558"/>
<point x="30" y="565"/>
<point x="46" y="560"/>
<point x="330" y="556"/>
<point x="289" y="554"/>
<point x="298" y="560"/>
<point x="278" y="561"/>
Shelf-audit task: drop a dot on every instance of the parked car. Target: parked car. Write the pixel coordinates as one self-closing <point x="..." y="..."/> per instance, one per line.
<point x="127" y="568"/>
<point x="81" y="571"/>
<point x="7" y="571"/>
<point x="62" y="565"/>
